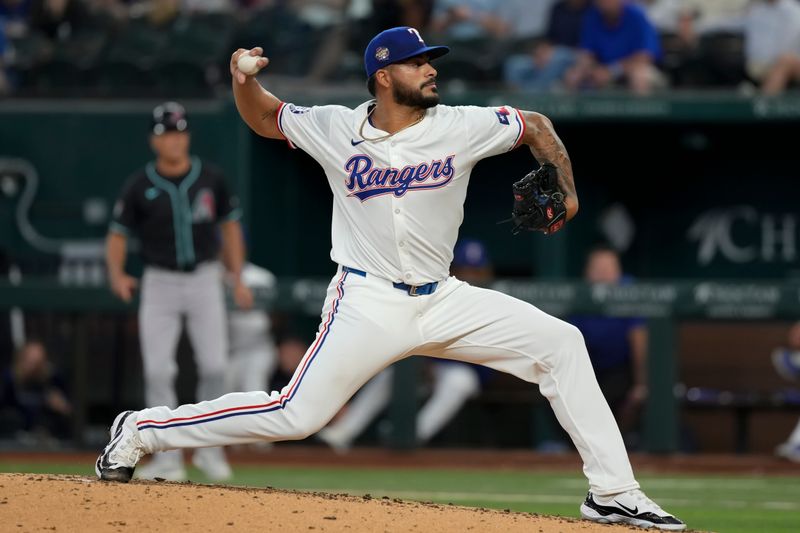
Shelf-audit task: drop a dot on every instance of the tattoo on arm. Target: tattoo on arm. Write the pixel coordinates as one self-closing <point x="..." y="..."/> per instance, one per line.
<point x="265" y="115"/>
<point x="548" y="148"/>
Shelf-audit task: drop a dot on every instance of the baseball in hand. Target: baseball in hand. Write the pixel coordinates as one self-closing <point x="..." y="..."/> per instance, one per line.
<point x="248" y="64"/>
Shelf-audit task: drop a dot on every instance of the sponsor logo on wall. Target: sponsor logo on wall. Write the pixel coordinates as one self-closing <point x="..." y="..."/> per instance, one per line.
<point x="742" y="234"/>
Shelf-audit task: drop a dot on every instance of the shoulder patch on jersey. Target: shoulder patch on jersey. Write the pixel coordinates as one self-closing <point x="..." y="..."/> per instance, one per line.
<point x="297" y="109"/>
<point x="502" y="115"/>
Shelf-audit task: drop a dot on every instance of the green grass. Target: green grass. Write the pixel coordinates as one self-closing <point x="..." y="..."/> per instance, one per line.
<point x="726" y="504"/>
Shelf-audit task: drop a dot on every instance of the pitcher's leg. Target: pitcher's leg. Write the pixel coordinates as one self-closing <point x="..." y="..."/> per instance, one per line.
<point x="513" y="336"/>
<point x="368" y="403"/>
<point x="333" y="368"/>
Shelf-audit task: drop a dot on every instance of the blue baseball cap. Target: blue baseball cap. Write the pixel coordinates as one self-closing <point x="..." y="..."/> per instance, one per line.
<point x="397" y="44"/>
<point x="470" y="253"/>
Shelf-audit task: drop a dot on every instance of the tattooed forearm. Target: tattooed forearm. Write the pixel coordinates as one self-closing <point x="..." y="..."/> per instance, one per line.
<point x="548" y="148"/>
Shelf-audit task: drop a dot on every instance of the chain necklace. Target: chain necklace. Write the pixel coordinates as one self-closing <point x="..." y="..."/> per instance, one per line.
<point x="384" y="137"/>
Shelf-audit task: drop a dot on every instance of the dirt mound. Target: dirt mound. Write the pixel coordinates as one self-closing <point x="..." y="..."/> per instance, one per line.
<point x="33" y="502"/>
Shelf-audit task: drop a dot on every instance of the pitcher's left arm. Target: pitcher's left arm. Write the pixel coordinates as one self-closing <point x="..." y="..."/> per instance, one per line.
<point x="541" y="138"/>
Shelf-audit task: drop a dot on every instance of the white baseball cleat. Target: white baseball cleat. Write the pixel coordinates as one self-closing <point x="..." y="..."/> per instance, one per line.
<point x="631" y="507"/>
<point x="789" y="450"/>
<point x="123" y="451"/>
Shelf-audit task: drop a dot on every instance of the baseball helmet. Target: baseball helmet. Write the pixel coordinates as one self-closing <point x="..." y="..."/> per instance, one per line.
<point x="397" y="44"/>
<point x="169" y="116"/>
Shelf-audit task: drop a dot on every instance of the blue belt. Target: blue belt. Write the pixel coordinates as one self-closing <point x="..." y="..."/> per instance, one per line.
<point x="412" y="290"/>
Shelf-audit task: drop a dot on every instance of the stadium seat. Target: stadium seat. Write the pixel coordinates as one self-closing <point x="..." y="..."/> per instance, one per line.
<point x="200" y="38"/>
<point x="123" y="79"/>
<point x="60" y="77"/>
<point x="184" y="79"/>
<point x="138" y="42"/>
<point x="722" y="54"/>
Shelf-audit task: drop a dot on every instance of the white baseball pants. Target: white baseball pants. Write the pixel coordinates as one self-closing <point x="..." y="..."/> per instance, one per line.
<point x="367" y="325"/>
<point x="167" y="298"/>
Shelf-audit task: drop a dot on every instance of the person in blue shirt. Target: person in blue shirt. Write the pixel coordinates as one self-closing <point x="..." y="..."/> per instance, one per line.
<point x="786" y="360"/>
<point x="33" y="397"/>
<point x="617" y="346"/>
<point x="544" y="66"/>
<point x="618" y="45"/>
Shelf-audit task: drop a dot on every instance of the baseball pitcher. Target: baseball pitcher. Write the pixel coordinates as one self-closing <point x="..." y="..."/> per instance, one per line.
<point x="398" y="167"/>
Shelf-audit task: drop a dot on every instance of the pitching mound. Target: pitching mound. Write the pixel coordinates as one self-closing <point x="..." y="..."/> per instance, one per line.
<point x="33" y="502"/>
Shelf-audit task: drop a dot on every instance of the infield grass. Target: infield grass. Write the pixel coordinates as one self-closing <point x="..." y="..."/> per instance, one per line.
<point x="726" y="504"/>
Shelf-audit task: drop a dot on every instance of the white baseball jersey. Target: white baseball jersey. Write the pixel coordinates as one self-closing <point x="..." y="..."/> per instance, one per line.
<point x="396" y="210"/>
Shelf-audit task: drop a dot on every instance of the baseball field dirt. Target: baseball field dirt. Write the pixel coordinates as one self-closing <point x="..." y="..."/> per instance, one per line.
<point x="33" y="502"/>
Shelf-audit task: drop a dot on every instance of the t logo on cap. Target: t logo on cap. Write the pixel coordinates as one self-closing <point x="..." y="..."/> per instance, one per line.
<point x="397" y="44"/>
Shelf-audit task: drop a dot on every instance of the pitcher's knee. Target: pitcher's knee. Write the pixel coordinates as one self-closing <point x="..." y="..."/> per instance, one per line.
<point x="570" y="340"/>
<point x="304" y="428"/>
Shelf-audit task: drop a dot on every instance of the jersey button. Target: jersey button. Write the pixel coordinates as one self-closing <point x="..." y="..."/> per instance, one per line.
<point x="396" y="211"/>
<point x="402" y="244"/>
<point x="408" y="276"/>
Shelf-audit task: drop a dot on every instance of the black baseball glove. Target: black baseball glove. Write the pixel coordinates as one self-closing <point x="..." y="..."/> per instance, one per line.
<point x="539" y="202"/>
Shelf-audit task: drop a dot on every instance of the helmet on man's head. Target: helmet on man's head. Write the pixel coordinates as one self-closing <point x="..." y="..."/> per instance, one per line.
<point x="397" y="44"/>
<point x="169" y="116"/>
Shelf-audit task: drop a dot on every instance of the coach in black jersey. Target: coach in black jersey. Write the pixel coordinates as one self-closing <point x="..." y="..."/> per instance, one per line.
<point x="183" y="215"/>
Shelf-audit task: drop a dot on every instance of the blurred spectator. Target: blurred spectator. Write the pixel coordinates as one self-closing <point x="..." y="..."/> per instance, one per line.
<point x="544" y="67"/>
<point x="617" y="347"/>
<point x="58" y="19"/>
<point x="253" y="356"/>
<point x="291" y="350"/>
<point x="206" y="6"/>
<point x="786" y="360"/>
<point x="618" y="44"/>
<point x="392" y="13"/>
<point x="14" y="15"/>
<point x="469" y="20"/>
<point x="526" y="19"/>
<point x="772" y="44"/>
<point x="111" y="10"/>
<point x="716" y="15"/>
<point x="157" y="12"/>
<point x="454" y="382"/>
<point x="5" y="85"/>
<point x="33" y="399"/>
<point x="663" y="14"/>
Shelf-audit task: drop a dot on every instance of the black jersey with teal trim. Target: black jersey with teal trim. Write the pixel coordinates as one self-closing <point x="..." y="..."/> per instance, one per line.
<point x="175" y="218"/>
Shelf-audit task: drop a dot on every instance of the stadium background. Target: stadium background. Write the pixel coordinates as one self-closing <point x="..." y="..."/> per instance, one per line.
<point x="701" y="177"/>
